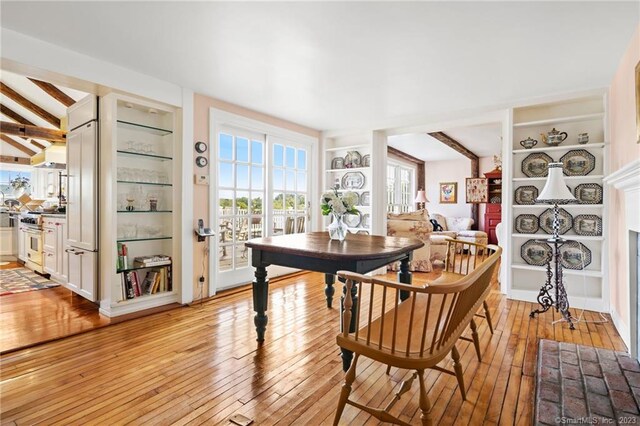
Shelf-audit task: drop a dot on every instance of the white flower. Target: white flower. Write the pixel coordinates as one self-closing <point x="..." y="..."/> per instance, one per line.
<point x="337" y="206"/>
<point x="350" y="199"/>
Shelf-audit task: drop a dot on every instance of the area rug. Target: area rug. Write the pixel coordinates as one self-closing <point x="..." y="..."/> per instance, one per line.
<point x="583" y="384"/>
<point x="20" y="280"/>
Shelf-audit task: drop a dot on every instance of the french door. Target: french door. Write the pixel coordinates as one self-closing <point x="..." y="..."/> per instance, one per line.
<point x="262" y="190"/>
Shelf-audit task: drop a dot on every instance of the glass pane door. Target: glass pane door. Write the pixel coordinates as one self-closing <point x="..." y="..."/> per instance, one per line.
<point x="289" y="183"/>
<point x="240" y="197"/>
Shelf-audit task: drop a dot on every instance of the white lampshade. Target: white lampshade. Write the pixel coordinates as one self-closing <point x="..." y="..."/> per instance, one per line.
<point x="555" y="191"/>
<point x="421" y="197"/>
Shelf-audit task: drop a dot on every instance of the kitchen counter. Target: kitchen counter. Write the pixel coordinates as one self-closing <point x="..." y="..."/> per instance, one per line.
<point x="54" y="215"/>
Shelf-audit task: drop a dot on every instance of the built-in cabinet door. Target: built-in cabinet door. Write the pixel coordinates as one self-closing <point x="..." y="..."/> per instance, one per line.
<point x="63" y="256"/>
<point x="82" y="175"/>
<point x="22" y="245"/>
<point x="50" y="250"/>
<point x="82" y="273"/>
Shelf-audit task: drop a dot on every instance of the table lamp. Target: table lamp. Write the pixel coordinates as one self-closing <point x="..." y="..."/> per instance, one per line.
<point x="555" y="192"/>
<point x="421" y="199"/>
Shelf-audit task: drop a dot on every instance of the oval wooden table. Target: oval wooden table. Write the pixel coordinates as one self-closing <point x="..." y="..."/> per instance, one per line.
<point x="315" y="251"/>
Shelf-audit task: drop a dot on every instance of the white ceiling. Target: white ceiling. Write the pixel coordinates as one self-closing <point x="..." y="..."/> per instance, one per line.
<point x="334" y="65"/>
<point x="484" y="141"/>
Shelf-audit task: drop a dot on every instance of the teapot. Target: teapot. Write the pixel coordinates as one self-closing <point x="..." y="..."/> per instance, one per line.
<point x="554" y="137"/>
<point x="528" y="143"/>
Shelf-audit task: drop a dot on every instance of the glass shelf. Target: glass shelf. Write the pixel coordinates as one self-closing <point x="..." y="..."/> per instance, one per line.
<point x="145" y="211"/>
<point x="143" y="128"/>
<point x="144" y="183"/>
<point x="150" y="156"/>
<point x="127" y="240"/>
<point x="136" y="268"/>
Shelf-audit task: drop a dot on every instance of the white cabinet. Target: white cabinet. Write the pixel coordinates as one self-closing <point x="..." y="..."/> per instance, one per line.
<point x="22" y="242"/>
<point x="82" y="171"/>
<point x="584" y="166"/>
<point x="140" y="202"/>
<point x="82" y="270"/>
<point x="54" y="248"/>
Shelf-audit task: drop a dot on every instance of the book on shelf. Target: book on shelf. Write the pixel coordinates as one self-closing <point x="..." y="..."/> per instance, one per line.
<point x="128" y="286"/>
<point x="149" y="281"/>
<point x="122" y="257"/>
<point x="150" y="261"/>
<point x="157" y="280"/>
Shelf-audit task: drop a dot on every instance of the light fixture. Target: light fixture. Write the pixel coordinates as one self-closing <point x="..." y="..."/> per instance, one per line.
<point x="421" y="199"/>
<point x="555" y="192"/>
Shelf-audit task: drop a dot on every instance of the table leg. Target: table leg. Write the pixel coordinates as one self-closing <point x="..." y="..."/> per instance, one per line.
<point x="347" y="355"/>
<point x="260" y="299"/>
<point x="404" y="276"/>
<point x="329" y="291"/>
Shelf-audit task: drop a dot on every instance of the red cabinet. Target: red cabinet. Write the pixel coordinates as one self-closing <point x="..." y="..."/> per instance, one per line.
<point x="493" y="213"/>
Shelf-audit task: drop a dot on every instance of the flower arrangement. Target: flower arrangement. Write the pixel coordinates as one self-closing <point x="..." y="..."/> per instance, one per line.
<point x="20" y="182"/>
<point x="333" y="202"/>
<point x="338" y="205"/>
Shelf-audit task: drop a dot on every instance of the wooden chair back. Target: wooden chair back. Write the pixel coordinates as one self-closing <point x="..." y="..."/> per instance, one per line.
<point x="415" y="327"/>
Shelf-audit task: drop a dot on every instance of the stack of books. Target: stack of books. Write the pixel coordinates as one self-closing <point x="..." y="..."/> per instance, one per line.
<point x="153" y="260"/>
<point x="156" y="280"/>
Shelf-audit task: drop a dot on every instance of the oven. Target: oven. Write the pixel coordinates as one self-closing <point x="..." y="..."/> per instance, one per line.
<point x="32" y="229"/>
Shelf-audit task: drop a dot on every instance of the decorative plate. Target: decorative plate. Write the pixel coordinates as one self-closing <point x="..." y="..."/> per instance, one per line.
<point x="536" y="165"/>
<point x="527" y="224"/>
<point x="366" y="160"/>
<point x="588" y="193"/>
<point x="337" y="163"/>
<point x="496" y="199"/>
<point x="363" y="232"/>
<point x="574" y="255"/>
<point x="366" y="220"/>
<point x="352" y="159"/>
<point x="352" y="220"/>
<point x="353" y="180"/>
<point x="536" y="253"/>
<point x="564" y="217"/>
<point x="578" y="162"/>
<point x="526" y="195"/>
<point x="587" y="224"/>
<point x="365" y="198"/>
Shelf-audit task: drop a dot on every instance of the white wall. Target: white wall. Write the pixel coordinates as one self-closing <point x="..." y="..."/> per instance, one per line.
<point x="447" y="171"/>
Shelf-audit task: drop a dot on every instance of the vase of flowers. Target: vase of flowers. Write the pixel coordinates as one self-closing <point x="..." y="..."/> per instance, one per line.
<point x="332" y="203"/>
<point x="20" y="185"/>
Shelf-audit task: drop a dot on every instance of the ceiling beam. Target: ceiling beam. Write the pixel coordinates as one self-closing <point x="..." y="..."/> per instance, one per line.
<point x="54" y="92"/>
<point x="35" y="132"/>
<point x="453" y="144"/>
<point x="420" y="166"/>
<point x="36" y="144"/>
<point x="17" y="145"/>
<point x="40" y="112"/>
<point x="404" y="155"/>
<point x="14" y="115"/>
<point x="14" y="160"/>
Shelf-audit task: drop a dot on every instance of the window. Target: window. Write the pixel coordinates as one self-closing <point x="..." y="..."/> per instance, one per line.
<point x="290" y="192"/>
<point x="400" y="188"/>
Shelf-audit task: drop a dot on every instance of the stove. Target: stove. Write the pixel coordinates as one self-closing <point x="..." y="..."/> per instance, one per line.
<point x="32" y="220"/>
<point x="31" y="229"/>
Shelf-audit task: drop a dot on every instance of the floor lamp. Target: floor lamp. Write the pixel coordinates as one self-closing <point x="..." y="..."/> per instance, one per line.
<point x="555" y="192"/>
<point x="421" y="199"/>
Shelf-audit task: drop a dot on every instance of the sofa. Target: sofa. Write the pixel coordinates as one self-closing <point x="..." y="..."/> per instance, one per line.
<point x="458" y="228"/>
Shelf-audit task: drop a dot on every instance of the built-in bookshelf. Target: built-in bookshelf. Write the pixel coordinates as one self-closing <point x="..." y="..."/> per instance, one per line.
<point x="139" y="147"/>
<point x="585" y="166"/>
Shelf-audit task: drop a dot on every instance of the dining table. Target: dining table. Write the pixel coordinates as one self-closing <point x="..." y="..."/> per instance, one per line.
<point x="316" y="251"/>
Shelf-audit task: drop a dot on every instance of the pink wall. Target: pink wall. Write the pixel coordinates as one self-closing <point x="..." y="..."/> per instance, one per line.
<point x="447" y="171"/>
<point x="202" y="105"/>
<point x="624" y="149"/>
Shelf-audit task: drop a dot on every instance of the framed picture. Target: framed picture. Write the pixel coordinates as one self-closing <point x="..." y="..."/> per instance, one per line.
<point x="477" y="190"/>
<point x="448" y="192"/>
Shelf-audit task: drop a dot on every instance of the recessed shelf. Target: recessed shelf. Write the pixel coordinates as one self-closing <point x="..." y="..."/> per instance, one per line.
<point x="565" y="236"/>
<point x="584" y="272"/>
<point x="575" y="118"/>
<point x="137" y="268"/>
<point x="529" y="179"/>
<point x="149" y="156"/>
<point x="350" y="169"/>
<point x="145" y="297"/>
<point x="564" y="206"/>
<point x="144" y="183"/>
<point x="143" y="128"/>
<point x="558" y="148"/>
<point x="128" y="240"/>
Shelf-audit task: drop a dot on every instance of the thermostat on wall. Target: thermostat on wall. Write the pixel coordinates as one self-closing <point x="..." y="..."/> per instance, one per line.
<point x="202" y="179"/>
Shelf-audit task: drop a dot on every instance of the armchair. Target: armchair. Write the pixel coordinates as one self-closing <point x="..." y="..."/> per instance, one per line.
<point x="415" y="225"/>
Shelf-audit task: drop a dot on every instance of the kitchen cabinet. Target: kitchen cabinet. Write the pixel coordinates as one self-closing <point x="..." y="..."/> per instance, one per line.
<point x="56" y="258"/>
<point x="22" y="243"/>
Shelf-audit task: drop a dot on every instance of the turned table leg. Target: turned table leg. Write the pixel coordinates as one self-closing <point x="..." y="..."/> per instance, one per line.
<point x="404" y="276"/>
<point x="329" y="290"/>
<point x="260" y="299"/>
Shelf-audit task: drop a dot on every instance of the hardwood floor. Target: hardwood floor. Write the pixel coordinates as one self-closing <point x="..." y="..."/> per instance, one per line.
<point x="201" y="364"/>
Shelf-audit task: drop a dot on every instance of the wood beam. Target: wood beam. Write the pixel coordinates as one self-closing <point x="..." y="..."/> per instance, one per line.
<point x="18" y="98"/>
<point x="17" y="145"/>
<point x="401" y="154"/>
<point x="54" y="92"/>
<point x="14" y="115"/>
<point x="453" y="144"/>
<point x="36" y="144"/>
<point x="475" y="167"/>
<point x="14" y="160"/>
<point x="35" y="132"/>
